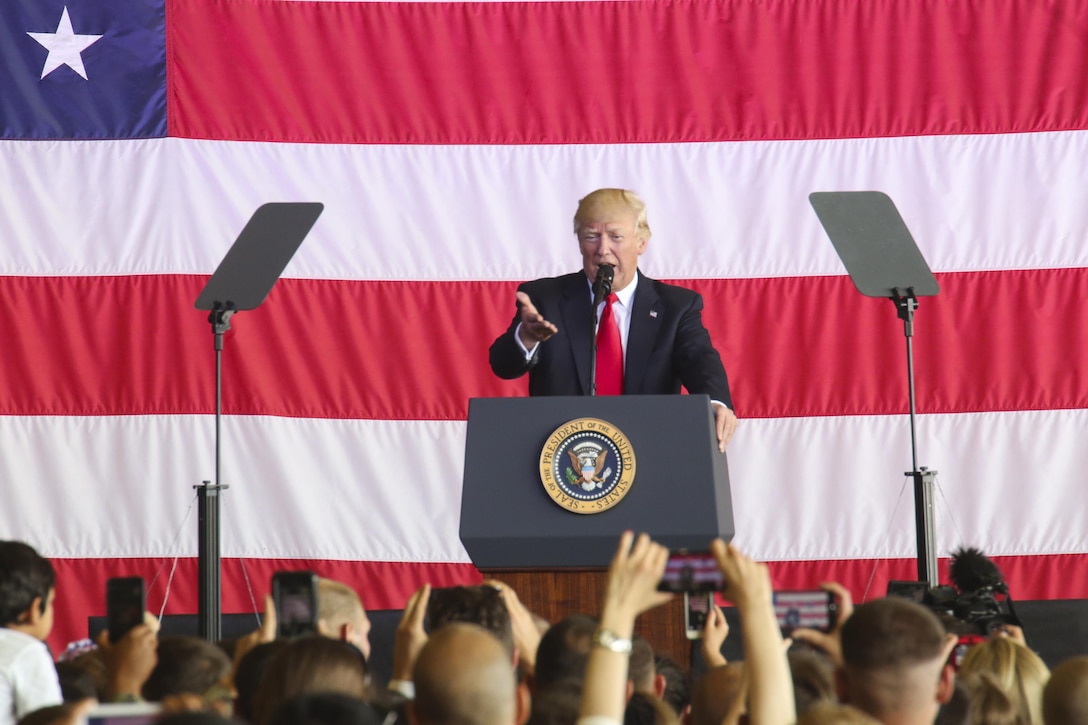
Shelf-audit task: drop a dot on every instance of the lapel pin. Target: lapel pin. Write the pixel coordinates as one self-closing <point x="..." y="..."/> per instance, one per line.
<point x="653" y="313"/>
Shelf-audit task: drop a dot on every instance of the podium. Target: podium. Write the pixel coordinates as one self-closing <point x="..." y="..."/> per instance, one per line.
<point x="513" y="529"/>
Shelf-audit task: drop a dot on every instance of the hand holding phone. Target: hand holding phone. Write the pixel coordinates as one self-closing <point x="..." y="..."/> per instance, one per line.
<point x="691" y="571"/>
<point x="126" y="601"/>
<point x="698" y="607"/>
<point x="811" y="609"/>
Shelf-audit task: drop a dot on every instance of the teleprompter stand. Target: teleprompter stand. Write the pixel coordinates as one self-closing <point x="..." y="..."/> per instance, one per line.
<point x="242" y="282"/>
<point x="882" y="259"/>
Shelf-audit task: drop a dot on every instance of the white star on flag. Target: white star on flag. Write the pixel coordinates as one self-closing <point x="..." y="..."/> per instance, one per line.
<point x="64" y="47"/>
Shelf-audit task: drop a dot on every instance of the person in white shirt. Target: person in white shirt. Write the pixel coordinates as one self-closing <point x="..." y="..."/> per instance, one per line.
<point x="28" y="678"/>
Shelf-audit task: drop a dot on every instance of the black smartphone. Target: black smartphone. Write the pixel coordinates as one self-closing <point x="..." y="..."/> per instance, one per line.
<point x="697" y="607"/>
<point x="126" y="601"/>
<point x="295" y="596"/>
<point x="691" y="571"/>
<point x="811" y="608"/>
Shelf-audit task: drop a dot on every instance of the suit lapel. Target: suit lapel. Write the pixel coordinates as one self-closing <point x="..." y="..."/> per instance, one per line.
<point x="576" y="309"/>
<point x="645" y="323"/>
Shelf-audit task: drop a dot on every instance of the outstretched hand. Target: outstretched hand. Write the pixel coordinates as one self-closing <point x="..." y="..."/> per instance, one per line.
<point x="410" y="636"/>
<point x="636" y="569"/>
<point x="534" y="328"/>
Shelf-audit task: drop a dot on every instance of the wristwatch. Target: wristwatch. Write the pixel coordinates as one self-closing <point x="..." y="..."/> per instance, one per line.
<point x="611" y="641"/>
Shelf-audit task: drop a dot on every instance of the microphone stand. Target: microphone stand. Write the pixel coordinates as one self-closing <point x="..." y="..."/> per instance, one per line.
<point x="602" y="287"/>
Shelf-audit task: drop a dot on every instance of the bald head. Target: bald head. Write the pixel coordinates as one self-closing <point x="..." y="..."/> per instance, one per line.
<point x="341" y="614"/>
<point x="1065" y="699"/>
<point x="464" y="677"/>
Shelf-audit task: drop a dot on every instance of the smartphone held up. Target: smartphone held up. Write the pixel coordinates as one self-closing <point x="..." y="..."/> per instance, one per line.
<point x="295" y="597"/>
<point x="691" y="571"/>
<point x="126" y="601"/>
<point x="810" y="609"/>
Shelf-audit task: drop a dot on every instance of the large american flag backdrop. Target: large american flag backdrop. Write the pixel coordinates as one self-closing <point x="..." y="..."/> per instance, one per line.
<point x="450" y="143"/>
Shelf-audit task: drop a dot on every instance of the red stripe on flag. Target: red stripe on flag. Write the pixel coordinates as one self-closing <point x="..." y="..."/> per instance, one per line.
<point x="620" y="72"/>
<point x="804" y="346"/>
<point x="81" y="583"/>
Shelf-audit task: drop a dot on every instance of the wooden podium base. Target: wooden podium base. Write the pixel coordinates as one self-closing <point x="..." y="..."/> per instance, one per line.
<point x="554" y="594"/>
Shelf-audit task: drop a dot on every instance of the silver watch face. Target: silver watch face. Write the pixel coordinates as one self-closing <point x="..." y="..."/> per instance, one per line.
<point x="609" y="640"/>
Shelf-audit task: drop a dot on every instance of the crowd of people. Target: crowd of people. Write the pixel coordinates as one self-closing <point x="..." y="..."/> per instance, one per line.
<point x="477" y="656"/>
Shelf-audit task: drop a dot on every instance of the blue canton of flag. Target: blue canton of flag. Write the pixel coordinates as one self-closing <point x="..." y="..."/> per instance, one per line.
<point x="82" y="69"/>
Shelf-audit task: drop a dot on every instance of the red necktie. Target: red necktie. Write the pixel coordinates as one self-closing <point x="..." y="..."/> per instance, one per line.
<point x="609" y="352"/>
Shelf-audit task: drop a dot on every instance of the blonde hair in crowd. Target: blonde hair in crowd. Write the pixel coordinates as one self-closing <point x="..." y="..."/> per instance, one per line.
<point x="1019" y="672"/>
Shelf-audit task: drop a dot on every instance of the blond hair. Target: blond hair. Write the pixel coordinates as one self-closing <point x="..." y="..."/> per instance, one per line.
<point x="602" y="202"/>
<point x="1020" y="673"/>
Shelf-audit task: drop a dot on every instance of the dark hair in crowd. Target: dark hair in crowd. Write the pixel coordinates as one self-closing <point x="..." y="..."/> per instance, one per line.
<point x="24" y="576"/>
<point x="481" y="605"/>
<point x="891" y="632"/>
<point x="564" y="649"/>
<point x="310" y="664"/>
<point x="677" y="692"/>
<point x="247" y="678"/>
<point x="186" y="665"/>
<point x="324" y="708"/>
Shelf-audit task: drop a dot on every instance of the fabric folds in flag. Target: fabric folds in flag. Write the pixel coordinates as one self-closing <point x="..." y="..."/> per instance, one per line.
<point x="450" y="143"/>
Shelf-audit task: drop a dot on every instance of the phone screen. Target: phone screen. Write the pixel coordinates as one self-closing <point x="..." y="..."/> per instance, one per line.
<point x="126" y="601"/>
<point x="691" y="571"/>
<point x="696" y="609"/>
<point x="295" y="595"/>
<point x="812" y="609"/>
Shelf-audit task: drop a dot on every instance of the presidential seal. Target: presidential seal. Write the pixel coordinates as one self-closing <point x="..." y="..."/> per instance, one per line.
<point x="587" y="465"/>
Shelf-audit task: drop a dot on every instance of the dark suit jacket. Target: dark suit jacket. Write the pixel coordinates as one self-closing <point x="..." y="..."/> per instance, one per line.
<point x="667" y="344"/>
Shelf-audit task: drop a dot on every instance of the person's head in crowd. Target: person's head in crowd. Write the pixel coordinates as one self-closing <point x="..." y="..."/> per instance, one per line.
<point x="677" y="693"/>
<point x="324" y="708"/>
<point x="957" y="711"/>
<point x="895" y="656"/>
<point x="27" y="587"/>
<point x="642" y="672"/>
<point x="813" y="678"/>
<point x="76" y="683"/>
<point x="719" y="694"/>
<point x="93" y="664"/>
<point x="194" y="717"/>
<point x="987" y="701"/>
<point x="463" y="677"/>
<point x="557" y="704"/>
<point x="310" y="664"/>
<point x="645" y="708"/>
<point x="480" y="605"/>
<point x="50" y="715"/>
<point x="612" y="228"/>
<point x="1065" y="698"/>
<point x="248" y="676"/>
<point x="189" y="665"/>
<point x="341" y="615"/>
<point x="1020" y="673"/>
<point x="833" y="713"/>
<point x="563" y="650"/>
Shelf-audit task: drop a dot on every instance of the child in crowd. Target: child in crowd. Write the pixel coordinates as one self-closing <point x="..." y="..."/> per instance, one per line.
<point x="28" y="679"/>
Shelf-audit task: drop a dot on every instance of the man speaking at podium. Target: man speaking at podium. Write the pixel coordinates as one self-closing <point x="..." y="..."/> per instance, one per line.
<point x="650" y="338"/>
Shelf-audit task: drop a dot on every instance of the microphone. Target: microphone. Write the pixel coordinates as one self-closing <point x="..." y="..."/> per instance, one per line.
<point x="973" y="571"/>
<point x="602" y="285"/>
